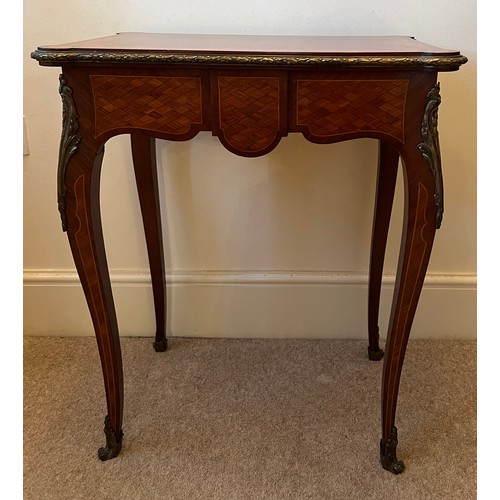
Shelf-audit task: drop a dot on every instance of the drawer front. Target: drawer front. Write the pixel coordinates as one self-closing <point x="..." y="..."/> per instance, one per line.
<point x="249" y="112"/>
<point x="170" y="105"/>
<point x="326" y="108"/>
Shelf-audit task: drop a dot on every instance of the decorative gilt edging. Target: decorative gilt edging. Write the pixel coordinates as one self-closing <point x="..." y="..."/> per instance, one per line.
<point x="430" y="148"/>
<point x="451" y="62"/>
<point x="68" y="145"/>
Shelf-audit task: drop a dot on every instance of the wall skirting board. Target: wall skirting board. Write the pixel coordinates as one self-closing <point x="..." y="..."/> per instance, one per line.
<point x="249" y="304"/>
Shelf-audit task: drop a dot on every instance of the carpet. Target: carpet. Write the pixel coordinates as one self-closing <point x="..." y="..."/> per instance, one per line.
<point x="248" y="419"/>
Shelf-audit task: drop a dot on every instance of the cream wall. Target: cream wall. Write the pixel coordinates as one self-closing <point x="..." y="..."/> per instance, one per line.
<point x="276" y="246"/>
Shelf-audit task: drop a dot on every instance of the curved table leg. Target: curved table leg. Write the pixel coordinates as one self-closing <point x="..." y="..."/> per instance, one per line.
<point x="144" y="159"/>
<point x="418" y="236"/>
<point x="386" y="183"/>
<point x="84" y="229"/>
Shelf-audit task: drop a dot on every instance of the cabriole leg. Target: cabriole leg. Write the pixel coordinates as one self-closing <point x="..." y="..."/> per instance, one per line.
<point x="144" y="158"/>
<point x="386" y="183"/>
<point x="418" y="236"/>
<point x="423" y="215"/>
<point x="82" y="214"/>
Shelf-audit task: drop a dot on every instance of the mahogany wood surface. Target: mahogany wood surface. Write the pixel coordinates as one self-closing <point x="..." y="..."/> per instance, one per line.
<point x="386" y="184"/>
<point x="129" y="84"/>
<point x="146" y="175"/>
<point x="284" y="44"/>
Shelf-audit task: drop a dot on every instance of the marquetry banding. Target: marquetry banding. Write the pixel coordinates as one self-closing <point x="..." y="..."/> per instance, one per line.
<point x="421" y="208"/>
<point x="334" y="107"/>
<point x="249" y="111"/>
<point x="170" y="105"/>
<point x="83" y="239"/>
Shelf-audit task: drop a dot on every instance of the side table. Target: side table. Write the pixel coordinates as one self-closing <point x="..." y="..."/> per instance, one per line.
<point x="250" y="91"/>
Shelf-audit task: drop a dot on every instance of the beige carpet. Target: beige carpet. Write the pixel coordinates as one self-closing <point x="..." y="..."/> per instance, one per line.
<point x="248" y="419"/>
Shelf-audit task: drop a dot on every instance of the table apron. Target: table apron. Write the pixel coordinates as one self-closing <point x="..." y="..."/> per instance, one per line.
<point x="250" y="110"/>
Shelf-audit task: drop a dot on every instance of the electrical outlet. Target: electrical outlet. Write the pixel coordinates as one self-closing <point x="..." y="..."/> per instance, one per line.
<point x="26" y="148"/>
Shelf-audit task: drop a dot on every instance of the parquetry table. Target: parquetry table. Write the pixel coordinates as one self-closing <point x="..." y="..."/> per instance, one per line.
<point x="250" y="91"/>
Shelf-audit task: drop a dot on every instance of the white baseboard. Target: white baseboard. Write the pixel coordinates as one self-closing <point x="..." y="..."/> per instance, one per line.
<point x="263" y="304"/>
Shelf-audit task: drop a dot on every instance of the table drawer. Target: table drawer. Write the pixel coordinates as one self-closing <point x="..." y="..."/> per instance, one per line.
<point x="171" y="104"/>
<point x="327" y="108"/>
<point x="249" y="110"/>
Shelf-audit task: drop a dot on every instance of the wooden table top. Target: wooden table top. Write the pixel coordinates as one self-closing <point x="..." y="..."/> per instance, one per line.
<point x="265" y="49"/>
<point x="279" y="44"/>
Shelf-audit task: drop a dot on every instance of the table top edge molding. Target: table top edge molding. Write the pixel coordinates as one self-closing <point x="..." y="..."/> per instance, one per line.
<point x="438" y="62"/>
<point x="253" y="50"/>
